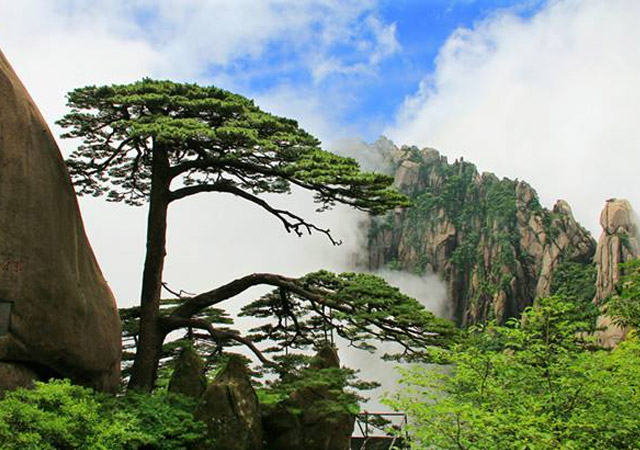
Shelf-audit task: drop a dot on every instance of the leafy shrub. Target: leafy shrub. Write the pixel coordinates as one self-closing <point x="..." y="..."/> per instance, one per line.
<point x="534" y="384"/>
<point x="624" y="305"/>
<point x="59" y="416"/>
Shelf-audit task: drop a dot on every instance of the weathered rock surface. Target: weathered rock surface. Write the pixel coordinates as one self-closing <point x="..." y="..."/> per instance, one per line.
<point x="618" y="243"/>
<point x="303" y="422"/>
<point x="15" y="375"/>
<point x="57" y="314"/>
<point x="230" y="409"/>
<point x="188" y="376"/>
<point x="490" y="240"/>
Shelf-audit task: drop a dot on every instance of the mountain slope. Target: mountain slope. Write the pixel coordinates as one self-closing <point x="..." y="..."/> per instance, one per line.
<point x="490" y="239"/>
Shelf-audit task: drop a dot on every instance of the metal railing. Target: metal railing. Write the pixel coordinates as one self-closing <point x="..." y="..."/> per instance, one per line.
<point x="382" y="430"/>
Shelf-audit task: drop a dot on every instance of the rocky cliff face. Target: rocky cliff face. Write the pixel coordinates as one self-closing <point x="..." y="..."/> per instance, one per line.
<point x="491" y="241"/>
<point x="618" y="244"/>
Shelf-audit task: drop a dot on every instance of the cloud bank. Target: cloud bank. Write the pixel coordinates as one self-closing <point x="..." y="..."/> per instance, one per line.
<point x="553" y="99"/>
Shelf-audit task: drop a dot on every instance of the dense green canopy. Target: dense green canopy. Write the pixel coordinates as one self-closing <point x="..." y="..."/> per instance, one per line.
<point x="537" y="383"/>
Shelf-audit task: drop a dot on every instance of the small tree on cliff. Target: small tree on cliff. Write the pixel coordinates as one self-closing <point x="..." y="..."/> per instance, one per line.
<point x="160" y="142"/>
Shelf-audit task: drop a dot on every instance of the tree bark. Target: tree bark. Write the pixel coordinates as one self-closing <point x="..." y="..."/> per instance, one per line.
<point x="151" y="337"/>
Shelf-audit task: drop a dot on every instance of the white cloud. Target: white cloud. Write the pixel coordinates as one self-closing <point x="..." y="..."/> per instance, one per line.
<point x="54" y="51"/>
<point x="386" y="42"/>
<point x="316" y="112"/>
<point x="375" y="42"/>
<point x="553" y="99"/>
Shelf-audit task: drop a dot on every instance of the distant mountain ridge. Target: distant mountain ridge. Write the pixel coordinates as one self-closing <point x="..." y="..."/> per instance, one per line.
<point x="489" y="239"/>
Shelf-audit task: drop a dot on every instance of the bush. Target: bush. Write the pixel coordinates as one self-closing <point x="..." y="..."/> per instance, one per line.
<point x="58" y="416"/>
<point x="534" y="384"/>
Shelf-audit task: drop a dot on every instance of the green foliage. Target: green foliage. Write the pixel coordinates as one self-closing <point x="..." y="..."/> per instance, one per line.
<point x="60" y="416"/>
<point x="213" y="137"/>
<point x="336" y="388"/>
<point x="166" y="419"/>
<point x="394" y="265"/>
<point x="360" y="308"/>
<point x="624" y="305"/>
<point x="534" y="384"/>
<point x="576" y="282"/>
<point x="501" y="201"/>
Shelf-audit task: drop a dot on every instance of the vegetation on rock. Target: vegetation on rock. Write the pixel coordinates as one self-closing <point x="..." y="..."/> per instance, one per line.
<point x="624" y="304"/>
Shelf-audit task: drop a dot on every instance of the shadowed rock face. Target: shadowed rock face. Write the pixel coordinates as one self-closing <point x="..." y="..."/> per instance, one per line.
<point x="618" y="243"/>
<point x="188" y="375"/>
<point x="489" y="239"/>
<point x="230" y="409"/>
<point x="58" y="317"/>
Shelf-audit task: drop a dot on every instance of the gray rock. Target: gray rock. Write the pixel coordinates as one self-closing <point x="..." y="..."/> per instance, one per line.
<point x="188" y="376"/>
<point x="15" y="375"/>
<point x="618" y="244"/>
<point x="230" y="409"/>
<point x="490" y="241"/>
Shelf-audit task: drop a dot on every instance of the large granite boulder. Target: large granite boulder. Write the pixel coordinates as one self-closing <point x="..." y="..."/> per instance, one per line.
<point x="304" y="421"/>
<point x="58" y="317"/>
<point x="188" y="374"/>
<point x="230" y="409"/>
<point x="618" y="243"/>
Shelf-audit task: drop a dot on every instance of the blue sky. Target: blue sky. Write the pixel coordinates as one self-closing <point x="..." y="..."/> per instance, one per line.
<point x="422" y="28"/>
<point x="373" y="93"/>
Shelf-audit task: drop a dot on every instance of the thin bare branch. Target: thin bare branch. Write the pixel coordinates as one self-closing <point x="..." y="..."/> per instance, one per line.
<point x="174" y="323"/>
<point x="291" y="222"/>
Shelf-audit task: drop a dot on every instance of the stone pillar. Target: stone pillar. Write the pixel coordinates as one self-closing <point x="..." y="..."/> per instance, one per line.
<point x="618" y="243"/>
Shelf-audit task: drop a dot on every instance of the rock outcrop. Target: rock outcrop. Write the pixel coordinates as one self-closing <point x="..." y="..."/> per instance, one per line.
<point x="489" y="239"/>
<point x="618" y="244"/>
<point x="188" y="376"/>
<point x="58" y="317"/>
<point x="304" y="421"/>
<point x="230" y="409"/>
